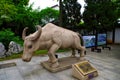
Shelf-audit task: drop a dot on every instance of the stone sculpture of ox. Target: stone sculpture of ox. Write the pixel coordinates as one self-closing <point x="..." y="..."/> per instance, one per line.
<point x="51" y="38"/>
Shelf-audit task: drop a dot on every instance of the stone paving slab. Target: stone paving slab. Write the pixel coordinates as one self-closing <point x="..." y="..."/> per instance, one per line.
<point x="106" y="62"/>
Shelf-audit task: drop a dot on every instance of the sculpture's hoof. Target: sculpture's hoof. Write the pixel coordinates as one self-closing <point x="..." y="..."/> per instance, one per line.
<point x="73" y="56"/>
<point x="54" y="65"/>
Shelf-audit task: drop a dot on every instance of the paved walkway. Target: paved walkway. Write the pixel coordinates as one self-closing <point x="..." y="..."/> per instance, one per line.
<point x="107" y="63"/>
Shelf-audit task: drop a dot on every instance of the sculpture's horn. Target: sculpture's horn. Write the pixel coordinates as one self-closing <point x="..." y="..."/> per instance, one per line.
<point x="37" y="33"/>
<point x="24" y="33"/>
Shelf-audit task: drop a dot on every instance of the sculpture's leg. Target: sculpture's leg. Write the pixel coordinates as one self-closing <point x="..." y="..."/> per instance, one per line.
<point x="82" y="51"/>
<point x="51" y="55"/>
<point x="73" y="53"/>
<point x="79" y="47"/>
<point x="82" y="54"/>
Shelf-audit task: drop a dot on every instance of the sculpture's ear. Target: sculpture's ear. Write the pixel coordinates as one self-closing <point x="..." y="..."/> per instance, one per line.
<point x="38" y="33"/>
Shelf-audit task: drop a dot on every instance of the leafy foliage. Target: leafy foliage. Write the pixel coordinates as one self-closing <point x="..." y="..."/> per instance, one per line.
<point x="7" y="10"/>
<point x="25" y="18"/>
<point x="48" y="15"/>
<point x="6" y="35"/>
<point x="11" y="14"/>
<point x="16" y="15"/>
<point x="71" y="15"/>
<point x="20" y="2"/>
<point x="100" y="14"/>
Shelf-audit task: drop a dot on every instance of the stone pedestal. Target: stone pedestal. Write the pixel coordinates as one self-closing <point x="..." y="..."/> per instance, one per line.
<point x="64" y="63"/>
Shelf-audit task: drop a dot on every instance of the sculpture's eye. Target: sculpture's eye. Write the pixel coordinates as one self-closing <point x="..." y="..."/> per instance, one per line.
<point x="30" y="46"/>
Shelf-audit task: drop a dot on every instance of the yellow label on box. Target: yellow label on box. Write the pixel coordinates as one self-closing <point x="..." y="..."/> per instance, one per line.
<point x="85" y="67"/>
<point x="84" y="70"/>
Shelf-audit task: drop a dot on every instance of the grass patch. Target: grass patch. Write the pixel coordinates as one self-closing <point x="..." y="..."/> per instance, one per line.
<point x="13" y="56"/>
<point x="63" y="50"/>
<point x="39" y="52"/>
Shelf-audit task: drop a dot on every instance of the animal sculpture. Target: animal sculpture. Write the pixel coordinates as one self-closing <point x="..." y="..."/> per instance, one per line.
<point x="51" y="38"/>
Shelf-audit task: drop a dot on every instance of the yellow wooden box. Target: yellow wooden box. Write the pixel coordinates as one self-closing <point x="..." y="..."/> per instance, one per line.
<point x="84" y="70"/>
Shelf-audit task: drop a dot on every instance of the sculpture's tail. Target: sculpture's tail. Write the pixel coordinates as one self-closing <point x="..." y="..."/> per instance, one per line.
<point x="81" y="39"/>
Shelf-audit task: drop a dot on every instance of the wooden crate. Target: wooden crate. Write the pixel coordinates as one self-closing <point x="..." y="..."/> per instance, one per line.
<point x="84" y="70"/>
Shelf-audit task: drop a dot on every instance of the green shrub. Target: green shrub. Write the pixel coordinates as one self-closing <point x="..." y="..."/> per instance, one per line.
<point x="6" y="35"/>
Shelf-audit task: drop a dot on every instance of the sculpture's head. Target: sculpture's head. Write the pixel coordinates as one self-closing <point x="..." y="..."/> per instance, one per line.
<point x="30" y="43"/>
